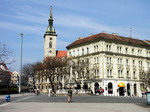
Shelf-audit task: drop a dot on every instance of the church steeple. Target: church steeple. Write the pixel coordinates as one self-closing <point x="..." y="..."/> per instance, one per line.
<point x="50" y="37"/>
<point x="50" y="29"/>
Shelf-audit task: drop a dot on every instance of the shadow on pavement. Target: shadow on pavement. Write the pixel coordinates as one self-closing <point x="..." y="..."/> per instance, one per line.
<point x="145" y="105"/>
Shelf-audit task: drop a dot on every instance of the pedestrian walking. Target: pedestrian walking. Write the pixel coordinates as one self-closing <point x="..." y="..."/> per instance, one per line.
<point x="69" y="95"/>
<point x="37" y="92"/>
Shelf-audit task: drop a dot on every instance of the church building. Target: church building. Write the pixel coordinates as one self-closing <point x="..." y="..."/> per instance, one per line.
<point x="50" y="39"/>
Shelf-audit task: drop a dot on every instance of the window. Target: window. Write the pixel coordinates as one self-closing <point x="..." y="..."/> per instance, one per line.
<point x="70" y="53"/>
<point x="134" y="74"/>
<point x="109" y="72"/>
<point x="87" y="50"/>
<point x="139" y="52"/>
<point x="94" y="48"/>
<point x="78" y="52"/>
<point x="97" y="47"/>
<point x="140" y="63"/>
<point x="126" y="50"/>
<point x="128" y="75"/>
<point x="96" y="73"/>
<point x="127" y="61"/>
<point x="132" y="51"/>
<point x="82" y="51"/>
<point x="119" y="61"/>
<point x="119" y="48"/>
<point x="97" y="60"/>
<point x="108" y="60"/>
<point x="108" y="47"/>
<point x="50" y="44"/>
<point x="120" y="75"/>
<point x="133" y="62"/>
<point x="50" y="38"/>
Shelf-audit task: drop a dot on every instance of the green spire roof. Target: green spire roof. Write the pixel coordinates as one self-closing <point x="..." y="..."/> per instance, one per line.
<point x="50" y="29"/>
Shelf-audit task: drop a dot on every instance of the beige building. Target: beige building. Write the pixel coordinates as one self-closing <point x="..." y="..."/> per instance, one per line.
<point x="115" y="63"/>
<point x="14" y="78"/>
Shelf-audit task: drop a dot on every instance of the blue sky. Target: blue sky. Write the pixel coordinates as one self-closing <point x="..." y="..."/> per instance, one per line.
<point x="72" y="19"/>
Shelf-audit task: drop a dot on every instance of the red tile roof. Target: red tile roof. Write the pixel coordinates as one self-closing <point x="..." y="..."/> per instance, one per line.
<point x="107" y="36"/>
<point x="3" y="67"/>
<point x="60" y="54"/>
<point x="148" y="41"/>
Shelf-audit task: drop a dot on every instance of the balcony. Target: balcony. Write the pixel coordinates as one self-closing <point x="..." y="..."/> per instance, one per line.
<point x="109" y="66"/>
<point x="109" y="76"/>
<point x="120" y="77"/>
<point x="120" y="67"/>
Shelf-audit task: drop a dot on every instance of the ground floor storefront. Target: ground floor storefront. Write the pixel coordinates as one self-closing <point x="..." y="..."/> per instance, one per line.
<point x="117" y="88"/>
<point x="101" y="87"/>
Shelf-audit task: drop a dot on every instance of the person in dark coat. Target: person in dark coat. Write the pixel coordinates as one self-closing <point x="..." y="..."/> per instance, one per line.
<point x="69" y="95"/>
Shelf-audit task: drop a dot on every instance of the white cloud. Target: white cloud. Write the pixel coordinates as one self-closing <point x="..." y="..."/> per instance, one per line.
<point x="88" y="24"/>
<point x="20" y="27"/>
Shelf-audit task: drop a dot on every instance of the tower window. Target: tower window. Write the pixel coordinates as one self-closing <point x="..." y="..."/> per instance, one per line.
<point x="50" y="38"/>
<point x="50" y="44"/>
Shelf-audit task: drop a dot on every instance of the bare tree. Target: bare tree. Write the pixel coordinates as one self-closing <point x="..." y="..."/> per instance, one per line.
<point x="5" y="77"/>
<point x="5" y="54"/>
<point x="52" y="68"/>
<point x="80" y="69"/>
<point x="28" y="71"/>
<point x="145" y="79"/>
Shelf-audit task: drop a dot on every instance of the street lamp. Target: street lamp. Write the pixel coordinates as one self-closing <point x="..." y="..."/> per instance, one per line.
<point x="21" y="35"/>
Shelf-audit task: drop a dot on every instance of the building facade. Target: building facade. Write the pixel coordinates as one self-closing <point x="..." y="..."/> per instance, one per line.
<point x="115" y="63"/>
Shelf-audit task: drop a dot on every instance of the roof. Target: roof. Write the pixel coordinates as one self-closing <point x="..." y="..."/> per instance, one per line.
<point x="107" y="36"/>
<point x="60" y="54"/>
<point x="148" y="41"/>
<point x="3" y="67"/>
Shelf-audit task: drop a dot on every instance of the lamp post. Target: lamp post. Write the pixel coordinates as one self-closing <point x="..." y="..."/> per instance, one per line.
<point x="21" y="35"/>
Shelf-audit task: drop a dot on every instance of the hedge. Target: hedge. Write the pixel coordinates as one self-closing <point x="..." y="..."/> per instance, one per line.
<point x="9" y="91"/>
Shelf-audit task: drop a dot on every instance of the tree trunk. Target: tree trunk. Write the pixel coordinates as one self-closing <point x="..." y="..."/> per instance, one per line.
<point x="51" y="84"/>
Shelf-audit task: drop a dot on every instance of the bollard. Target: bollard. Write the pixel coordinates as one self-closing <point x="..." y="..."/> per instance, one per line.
<point x="49" y="92"/>
<point x="148" y="97"/>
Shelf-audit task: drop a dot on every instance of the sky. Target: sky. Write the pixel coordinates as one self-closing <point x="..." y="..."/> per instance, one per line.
<point x="72" y="19"/>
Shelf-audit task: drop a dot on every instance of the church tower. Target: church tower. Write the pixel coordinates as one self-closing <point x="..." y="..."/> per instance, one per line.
<point x="50" y="38"/>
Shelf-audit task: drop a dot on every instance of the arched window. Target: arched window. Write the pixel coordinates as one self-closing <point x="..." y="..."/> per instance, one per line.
<point x="110" y="88"/>
<point x="50" y="44"/>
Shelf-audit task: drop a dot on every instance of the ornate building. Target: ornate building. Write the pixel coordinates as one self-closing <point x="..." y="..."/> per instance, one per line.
<point x="115" y="63"/>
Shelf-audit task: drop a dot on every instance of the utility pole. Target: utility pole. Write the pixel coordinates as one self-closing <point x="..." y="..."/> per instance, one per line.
<point x="21" y="35"/>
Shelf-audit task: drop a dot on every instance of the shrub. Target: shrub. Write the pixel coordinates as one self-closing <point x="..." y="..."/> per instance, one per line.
<point x="8" y="91"/>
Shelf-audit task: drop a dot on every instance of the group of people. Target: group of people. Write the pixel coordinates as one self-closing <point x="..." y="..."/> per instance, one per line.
<point x="52" y="93"/>
<point x="100" y="91"/>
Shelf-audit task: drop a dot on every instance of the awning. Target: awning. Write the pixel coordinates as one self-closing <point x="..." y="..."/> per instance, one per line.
<point x="121" y="84"/>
